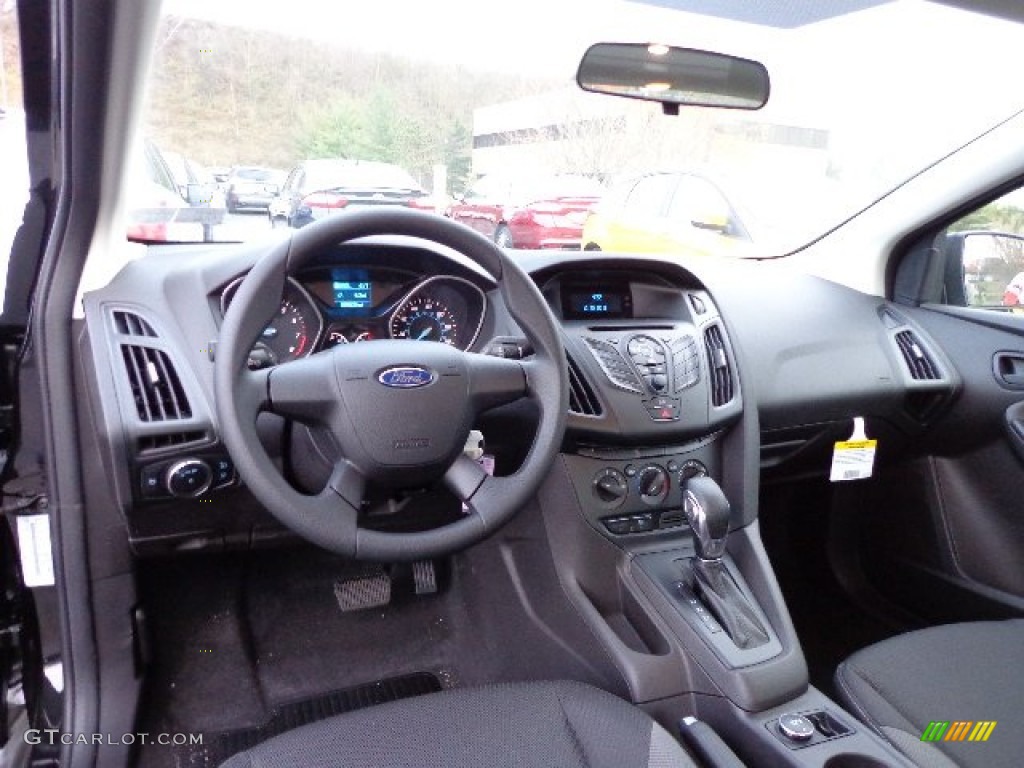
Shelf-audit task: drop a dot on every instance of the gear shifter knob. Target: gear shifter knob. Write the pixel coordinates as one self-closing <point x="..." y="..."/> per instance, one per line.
<point x="707" y="510"/>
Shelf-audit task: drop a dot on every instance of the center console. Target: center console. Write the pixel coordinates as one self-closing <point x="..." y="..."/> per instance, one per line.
<point x="652" y="511"/>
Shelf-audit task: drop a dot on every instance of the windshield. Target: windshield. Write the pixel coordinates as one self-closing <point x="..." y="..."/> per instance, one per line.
<point x="864" y="94"/>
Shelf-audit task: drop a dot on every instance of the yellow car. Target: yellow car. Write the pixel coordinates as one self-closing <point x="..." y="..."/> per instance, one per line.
<point x="666" y="213"/>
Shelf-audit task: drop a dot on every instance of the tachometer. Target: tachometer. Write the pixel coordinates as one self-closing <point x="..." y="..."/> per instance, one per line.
<point x="289" y="334"/>
<point x="423" y="318"/>
<point x="292" y="332"/>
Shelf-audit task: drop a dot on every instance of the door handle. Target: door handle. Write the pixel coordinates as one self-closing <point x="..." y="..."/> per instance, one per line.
<point x="1014" y="424"/>
<point x="1009" y="369"/>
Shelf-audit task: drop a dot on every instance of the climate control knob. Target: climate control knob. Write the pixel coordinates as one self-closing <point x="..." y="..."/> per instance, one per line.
<point x="611" y="487"/>
<point x="653" y="483"/>
<point x="691" y="469"/>
<point x="188" y="478"/>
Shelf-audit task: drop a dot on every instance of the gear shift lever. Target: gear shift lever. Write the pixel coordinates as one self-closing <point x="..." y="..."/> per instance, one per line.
<point x="708" y="511"/>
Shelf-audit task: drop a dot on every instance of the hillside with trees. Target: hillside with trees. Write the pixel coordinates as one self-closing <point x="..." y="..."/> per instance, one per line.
<point x="231" y="95"/>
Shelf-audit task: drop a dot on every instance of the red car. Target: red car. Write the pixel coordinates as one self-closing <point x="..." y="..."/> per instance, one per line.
<point x="529" y="212"/>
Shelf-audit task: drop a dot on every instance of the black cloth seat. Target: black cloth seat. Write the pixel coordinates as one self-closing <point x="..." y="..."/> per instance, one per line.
<point x="957" y="672"/>
<point x="557" y="724"/>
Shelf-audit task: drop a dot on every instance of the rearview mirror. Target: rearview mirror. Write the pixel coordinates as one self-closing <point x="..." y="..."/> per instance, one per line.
<point x="673" y="76"/>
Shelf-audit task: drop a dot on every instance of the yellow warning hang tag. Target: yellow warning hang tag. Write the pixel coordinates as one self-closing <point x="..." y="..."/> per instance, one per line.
<point x="853" y="459"/>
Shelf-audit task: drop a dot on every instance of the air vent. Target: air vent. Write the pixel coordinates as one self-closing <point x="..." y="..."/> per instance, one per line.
<point x="670" y="519"/>
<point x="718" y="362"/>
<point x="615" y="367"/>
<point x="920" y="364"/>
<point x="582" y="399"/>
<point x="130" y="324"/>
<point x="170" y="440"/>
<point x="155" y="385"/>
<point x="685" y="361"/>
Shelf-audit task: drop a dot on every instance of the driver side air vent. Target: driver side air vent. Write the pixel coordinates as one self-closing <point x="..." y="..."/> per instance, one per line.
<point x="155" y="385"/>
<point x="921" y="366"/>
<point x="718" y="362"/>
<point x="582" y="399"/>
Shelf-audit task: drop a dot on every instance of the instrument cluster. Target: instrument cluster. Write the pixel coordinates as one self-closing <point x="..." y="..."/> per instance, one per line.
<point x="329" y="306"/>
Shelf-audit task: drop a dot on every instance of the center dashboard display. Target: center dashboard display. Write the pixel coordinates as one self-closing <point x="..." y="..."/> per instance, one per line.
<point x="353" y="292"/>
<point x="586" y="302"/>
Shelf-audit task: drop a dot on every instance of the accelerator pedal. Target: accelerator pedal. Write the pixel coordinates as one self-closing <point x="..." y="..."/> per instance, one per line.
<point x="424" y="577"/>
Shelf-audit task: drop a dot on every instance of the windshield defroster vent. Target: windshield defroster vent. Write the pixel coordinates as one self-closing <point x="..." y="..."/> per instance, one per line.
<point x="155" y="385"/>
<point x="718" y="362"/>
<point x="582" y="399"/>
<point x="921" y="366"/>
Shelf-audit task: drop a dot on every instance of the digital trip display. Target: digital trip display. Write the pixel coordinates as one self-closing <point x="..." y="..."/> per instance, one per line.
<point x="595" y="301"/>
<point x="352" y="290"/>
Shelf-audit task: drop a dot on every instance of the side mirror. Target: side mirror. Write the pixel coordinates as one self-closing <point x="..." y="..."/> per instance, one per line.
<point x="986" y="265"/>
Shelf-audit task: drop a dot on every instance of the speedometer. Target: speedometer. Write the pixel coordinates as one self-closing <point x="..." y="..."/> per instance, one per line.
<point x="423" y="318"/>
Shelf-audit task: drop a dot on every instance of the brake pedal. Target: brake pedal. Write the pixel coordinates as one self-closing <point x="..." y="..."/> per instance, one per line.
<point x="424" y="577"/>
<point x="370" y="590"/>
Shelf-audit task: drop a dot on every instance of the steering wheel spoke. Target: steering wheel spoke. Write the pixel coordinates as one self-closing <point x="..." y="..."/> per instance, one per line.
<point x="495" y="381"/>
<point x="464" y="478"/>
<point x="346" y="483"/>
<point x="303" y="389"/>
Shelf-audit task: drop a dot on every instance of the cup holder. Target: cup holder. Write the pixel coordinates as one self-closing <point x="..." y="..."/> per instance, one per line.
<point x="851" y="760"/>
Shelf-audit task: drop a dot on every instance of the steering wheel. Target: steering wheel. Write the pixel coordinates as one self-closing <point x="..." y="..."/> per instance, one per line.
<point x="398" y="411"/>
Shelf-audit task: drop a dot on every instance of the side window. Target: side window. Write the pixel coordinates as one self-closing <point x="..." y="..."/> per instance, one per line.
<point x="488" y="188"/>
<point x="14" y="177"/>
<point x="699" y="203"/>
<point x="986" y="247"/>
<point x="291" y="184"/>
<point x="650" y="195"/>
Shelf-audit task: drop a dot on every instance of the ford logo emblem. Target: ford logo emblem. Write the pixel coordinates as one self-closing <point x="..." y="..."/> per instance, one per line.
<point x="406" y="377"/>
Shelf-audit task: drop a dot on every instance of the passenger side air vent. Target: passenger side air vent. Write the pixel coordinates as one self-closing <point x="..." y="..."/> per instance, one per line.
<point x="615" y="367"/>
<point x="155" y="385"/>
<point x="582" y="399"/>
<point x="130" y="324"/>
<point x="718" y="362"/>
<point x="921" y="366"/>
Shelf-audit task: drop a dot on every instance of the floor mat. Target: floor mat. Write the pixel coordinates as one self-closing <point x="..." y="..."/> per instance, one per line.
<point x="794" y="523"/>
<point x="219" y="747"/>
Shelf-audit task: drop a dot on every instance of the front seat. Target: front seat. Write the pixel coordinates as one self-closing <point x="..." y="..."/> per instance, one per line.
<point x="516" y="725"/>
<point x="957" y="673"/>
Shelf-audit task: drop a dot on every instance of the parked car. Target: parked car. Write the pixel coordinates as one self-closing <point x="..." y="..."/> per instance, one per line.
<point x="667" y="213"/>
<point x="317" y="188"/>
<point x="165" y="207"/>
<point x="220" y="173"/>
<point x="252" y="187"/>
<point x="529" y="211"/>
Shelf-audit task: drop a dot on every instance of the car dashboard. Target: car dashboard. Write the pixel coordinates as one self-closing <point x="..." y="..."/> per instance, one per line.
<point x="675" y="369"/>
